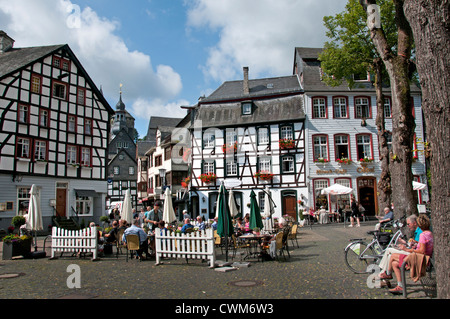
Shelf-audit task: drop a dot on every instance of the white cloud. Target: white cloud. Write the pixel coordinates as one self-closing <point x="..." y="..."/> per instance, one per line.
<point x="260" y="34"/>
<point x="103" y="54"/>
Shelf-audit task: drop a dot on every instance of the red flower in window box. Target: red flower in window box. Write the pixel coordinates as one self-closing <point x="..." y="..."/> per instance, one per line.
<point x="286" y="143"/>
<point x="208" y="178"/>
<point x="185" y="182"/>
<point x="264" y="176"/>
<point x="344" y="160"/>
<point x="229" y="148"/>
<point x="321" y="160"/>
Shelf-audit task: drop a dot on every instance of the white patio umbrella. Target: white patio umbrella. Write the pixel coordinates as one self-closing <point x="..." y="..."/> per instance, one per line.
<point x="168" y="212"/>
<point x="35" y="213"/>
<point x="232" y="205"/>
<point x="268" y="205"/>
<point x="127" y="210"/>
<point x="418" y="186"/>
<point x="336" y="189"/>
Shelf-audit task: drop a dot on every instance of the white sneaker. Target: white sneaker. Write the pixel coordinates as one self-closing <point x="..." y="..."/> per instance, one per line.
<point x="350" y="225"/>
<point x="357" y="225"/>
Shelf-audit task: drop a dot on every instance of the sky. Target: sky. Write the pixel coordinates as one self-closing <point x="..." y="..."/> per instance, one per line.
<point x="168" y="53"/>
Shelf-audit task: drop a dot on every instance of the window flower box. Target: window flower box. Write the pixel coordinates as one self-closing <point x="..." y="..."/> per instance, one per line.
<point x="208" y="178"/>
<point x="229" y="148"/>
<point x="365" y="161"/>
<point x="321" y="160"/>
<point x="344" y="160"/>
<point x="286" y="143"/>
<point x="185" y="182"/>
<point x="264" y="176"/>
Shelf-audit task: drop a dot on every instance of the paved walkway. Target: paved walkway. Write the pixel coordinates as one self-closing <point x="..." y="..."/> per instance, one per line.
<point x="316" y="270"/>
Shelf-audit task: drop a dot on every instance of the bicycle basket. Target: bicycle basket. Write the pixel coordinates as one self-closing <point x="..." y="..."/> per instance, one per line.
<point x="383" y="238"/>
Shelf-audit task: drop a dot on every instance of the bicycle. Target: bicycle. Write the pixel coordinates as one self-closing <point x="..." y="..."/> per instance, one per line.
<point x="359" y="254"/>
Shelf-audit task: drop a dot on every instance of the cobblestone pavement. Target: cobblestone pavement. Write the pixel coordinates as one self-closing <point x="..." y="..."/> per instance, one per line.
<point x="316" y="270"/>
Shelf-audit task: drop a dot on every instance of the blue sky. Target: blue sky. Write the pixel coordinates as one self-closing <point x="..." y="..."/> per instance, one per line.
<point x="168" y="53"/>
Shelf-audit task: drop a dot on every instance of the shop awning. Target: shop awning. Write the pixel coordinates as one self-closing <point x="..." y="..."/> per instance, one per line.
<point x="86" y="193"/>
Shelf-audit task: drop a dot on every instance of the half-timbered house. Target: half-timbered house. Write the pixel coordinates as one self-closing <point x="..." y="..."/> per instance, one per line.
<point x="54" y="128"/>
<point x="249" y="134"/>
<point x="341" y="131"/>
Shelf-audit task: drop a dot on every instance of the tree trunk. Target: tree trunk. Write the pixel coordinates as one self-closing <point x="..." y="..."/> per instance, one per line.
<point x="384" y="184"/>
<point x="430" y="23"/>
<point x="397" y="66"/>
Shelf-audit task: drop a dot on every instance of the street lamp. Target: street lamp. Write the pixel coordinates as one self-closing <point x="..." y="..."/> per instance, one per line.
<point x="162" y="175"/>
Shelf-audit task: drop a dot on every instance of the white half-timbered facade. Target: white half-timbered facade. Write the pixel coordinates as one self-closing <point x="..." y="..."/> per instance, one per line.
<point x="341" y="126"/>
<point x="54" y="127"/>
<point x="236" y="140"/>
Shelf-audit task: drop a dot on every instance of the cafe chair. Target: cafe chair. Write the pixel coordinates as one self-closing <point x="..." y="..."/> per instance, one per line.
<point x="237" y="244"/>
<point x="120" y="244"/>
<point x="132" y="244"/>
<point x="279" y="246"/>
<point x="293" y="234"/>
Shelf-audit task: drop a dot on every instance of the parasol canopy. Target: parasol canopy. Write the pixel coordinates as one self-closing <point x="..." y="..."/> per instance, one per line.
<point x="168" y="212"/>
<point x="336" y="189"/>
<point x="255" y="213"/>
<point x="127" y="213"/>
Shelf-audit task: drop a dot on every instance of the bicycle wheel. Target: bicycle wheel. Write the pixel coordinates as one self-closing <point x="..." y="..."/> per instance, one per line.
<point x="358" y="257"/>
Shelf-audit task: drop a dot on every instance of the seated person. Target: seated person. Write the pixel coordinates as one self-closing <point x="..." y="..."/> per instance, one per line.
<point x="136" y="230"/>
<point x="200" y="223"/>
<point x="111" y="236"/>
<point x="246" y="224"/>
<point x="388" y="216"/>
<point x="214" y="224"/>
<point x="187" y="225"/>
<point x="239" y="227"/>
<point x="425" y="247"/>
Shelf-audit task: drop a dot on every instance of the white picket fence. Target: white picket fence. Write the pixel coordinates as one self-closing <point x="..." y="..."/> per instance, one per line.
<point x="195" y="245"/>
<point x="83" y="241"/>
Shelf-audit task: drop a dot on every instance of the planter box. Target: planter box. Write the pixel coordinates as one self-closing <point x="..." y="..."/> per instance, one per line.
<point x="17" y="248"/>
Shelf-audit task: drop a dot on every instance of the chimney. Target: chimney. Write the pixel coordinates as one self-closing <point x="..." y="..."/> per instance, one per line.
<point x="246" y="87"/>
<point x="6" y="42"/>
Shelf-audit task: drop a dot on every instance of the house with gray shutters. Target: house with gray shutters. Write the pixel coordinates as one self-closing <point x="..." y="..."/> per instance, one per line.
<point x="250" y="134"/>
<point x="54" y="128"/>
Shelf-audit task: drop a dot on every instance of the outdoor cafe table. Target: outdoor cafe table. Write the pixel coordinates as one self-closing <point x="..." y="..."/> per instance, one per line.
<point x="254" y="244"/>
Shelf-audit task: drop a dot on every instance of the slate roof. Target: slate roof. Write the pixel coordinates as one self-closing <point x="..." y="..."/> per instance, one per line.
<point x="274" y="100"/>
<point x="312" y="75"/>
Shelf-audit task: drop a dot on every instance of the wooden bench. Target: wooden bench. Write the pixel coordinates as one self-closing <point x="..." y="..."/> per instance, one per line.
<point x="75" y="241"/>
<point x="193" y="245"/>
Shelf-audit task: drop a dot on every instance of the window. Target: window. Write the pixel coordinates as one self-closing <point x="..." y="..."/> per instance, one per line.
<point x="389" y="140"/>
<point x="287" y="164"/>
<point x="24" y="114"/>
<point x="85" y="156"/>
<point x="23" y="147"/>
<point x="262" y="201"/>
<point x="230" y="136"/>
<point x="387" y="108"/>
<point x="43" y="117"/>
<point x="36" y="82"/>
<point x="81" y="96"/>
<point x="72" y="123"/>
<point x="362" y="108"/>
<point x="88" y="126"/>
<point x="131" y="170"/>
<point x="246" y="108"/>
<point x="72" y="154"/>
<point x="208" y="167"/>
<point x="231" y="168"/>
<point x="319" y="199"/>
<point x="364" y="146"/>
<point x="287" y="132"/>
<point x="208" y="140"/>
<point x="83" y="205"/>
<point x="264" y="164"/>
<point x="340" y="107"/>
<point x="59" y="90"/>
<point x="61" y="63"/>
<point x="116" y="170"/>
<point x="320" y="143"/>
<point x="40" y="150"/>
<point x="23" y="200"/>
<point x="263" y="135"/>
<point x="319" y="108"/>
<point x="341" y="147"/>
<point x="158" y="160"/>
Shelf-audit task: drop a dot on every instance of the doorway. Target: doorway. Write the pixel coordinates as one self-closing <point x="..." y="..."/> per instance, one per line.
<point x="61" y="200"/>
<point x="367" y="195"/>
<point x="289" y="204"/>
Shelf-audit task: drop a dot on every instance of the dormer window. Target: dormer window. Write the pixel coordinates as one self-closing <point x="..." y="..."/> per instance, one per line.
<point x="247" y="108"/>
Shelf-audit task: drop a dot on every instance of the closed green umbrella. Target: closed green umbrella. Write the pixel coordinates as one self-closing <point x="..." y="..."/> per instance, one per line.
<point x="224" y="223"/>
<point x="255" y="213"/>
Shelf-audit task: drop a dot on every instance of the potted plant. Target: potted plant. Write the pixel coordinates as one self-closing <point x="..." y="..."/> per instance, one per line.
<point x="185" y="182"/>
<point x="366" y="160"/>
<point x="208" y="178"/>
<point x="13" y="246"/>
<point x="256" y="231"/>
<point x="264" y="176"/>
<point x="321" y="160"/>
<point x="286" y="143"/>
